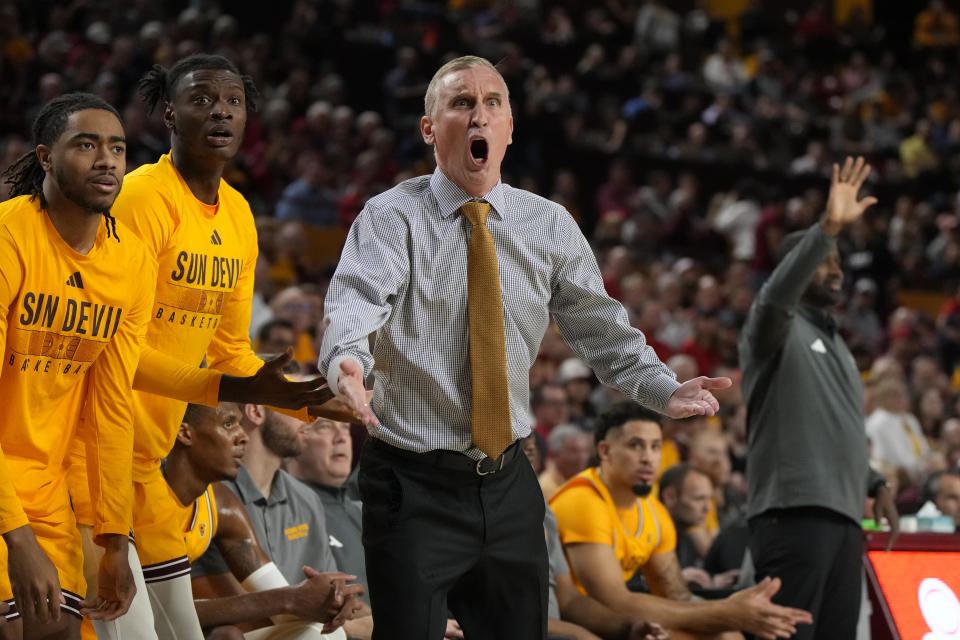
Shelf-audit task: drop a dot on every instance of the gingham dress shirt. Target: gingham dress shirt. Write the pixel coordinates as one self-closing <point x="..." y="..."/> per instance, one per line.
<point x="403" y="275"/>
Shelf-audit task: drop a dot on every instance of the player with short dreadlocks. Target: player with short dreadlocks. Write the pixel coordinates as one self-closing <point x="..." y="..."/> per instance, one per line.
<point x="201" y="232"/>
<point x="72" y="324"/>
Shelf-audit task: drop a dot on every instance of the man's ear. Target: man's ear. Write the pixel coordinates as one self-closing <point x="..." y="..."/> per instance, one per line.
<point x="603" y="450"/>
<point x="185" y="434"/>
<point x="43" y="155"/>
<point x="668" y="496"/>
<point x="426" y="130"/>
<point x="168" y="120"/>
<point x="255" y="414"/>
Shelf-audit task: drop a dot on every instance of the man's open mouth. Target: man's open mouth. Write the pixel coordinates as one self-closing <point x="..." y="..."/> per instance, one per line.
<point x="479" y="150"/>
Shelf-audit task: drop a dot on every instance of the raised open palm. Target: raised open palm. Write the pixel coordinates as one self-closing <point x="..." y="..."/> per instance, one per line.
<point x="842" y="204"/>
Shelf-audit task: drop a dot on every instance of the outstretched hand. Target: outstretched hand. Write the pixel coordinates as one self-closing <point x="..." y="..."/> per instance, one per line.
<point x="842" y="204"/>
<point x="269" y="386"/>
<point x="693" y="397"/>
<point x="353" y="393"/>
<point x="335" y="409"/>
<point x="754" y="612"/>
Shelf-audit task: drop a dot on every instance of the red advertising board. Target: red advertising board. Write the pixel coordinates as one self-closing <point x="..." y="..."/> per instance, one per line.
<point x="921" y="590"/>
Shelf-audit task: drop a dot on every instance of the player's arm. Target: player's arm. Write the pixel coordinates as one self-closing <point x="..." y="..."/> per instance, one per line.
<point x="749" y="610"/>
<point x="108" y="439"/>
<point x="33" y="578"/>
<point x="664" y="577"/>
<point x="167" y="376"/>
<point x="320" y="597"/>
<point x="230" y="349"/>
<point x="584" y="612"/>
<point x="12" y="515"/>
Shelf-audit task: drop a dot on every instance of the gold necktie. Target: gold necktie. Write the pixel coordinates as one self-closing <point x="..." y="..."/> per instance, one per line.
<point x="492" y="431"/>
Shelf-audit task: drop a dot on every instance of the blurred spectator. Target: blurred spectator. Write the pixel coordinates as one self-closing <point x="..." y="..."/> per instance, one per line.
<point x="895" y="434"/>
<point x="550" y="408"/>
<point x="578" y="381"/>
<point x="310" y="198"/>
<point x="941" y="490"/>
<point x="568" y="447"/>
<point x="936" y="27"/>
<point x="686" y="492"/>
<point x="723" y="70"/>
<point x="916" y="152"/>
<point x="276" y="336"/>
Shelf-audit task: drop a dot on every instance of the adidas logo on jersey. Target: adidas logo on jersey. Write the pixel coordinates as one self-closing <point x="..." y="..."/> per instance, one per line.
<point x="215" y="238"/>
<point x="75" y="280"/>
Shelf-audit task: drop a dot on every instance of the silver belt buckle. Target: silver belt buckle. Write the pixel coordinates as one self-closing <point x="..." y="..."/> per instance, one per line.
<point x="480" y="472"/>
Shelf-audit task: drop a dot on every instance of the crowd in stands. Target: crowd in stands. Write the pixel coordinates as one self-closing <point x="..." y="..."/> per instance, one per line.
<point x="687" y="141"/>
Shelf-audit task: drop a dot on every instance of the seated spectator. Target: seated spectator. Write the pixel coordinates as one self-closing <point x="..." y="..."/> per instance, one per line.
<point x="548" y="403"/>
<point x="942" y="490"/>
<point x="311" y="198"/>
<point x="208" y="449"/>
<point x="895" y="434"/>
<point x="916" y="152"/>
<point x="710" y="452"/>
<point x="276" y="336"/>
<point x="569" y="451"/>
<point x="723" y="71"/>
<point x="936" y="27"/>
<point x="578" y="381"/>
<point x="610" y="527"/>
<point x="686" y="492"/>
<point x="324" y="465"/>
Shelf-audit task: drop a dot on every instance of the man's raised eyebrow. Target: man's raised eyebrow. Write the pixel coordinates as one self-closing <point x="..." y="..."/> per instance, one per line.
<point x="96" y="138"/>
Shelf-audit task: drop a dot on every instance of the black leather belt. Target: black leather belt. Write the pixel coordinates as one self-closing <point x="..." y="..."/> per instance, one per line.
<point x="452" y="460"/>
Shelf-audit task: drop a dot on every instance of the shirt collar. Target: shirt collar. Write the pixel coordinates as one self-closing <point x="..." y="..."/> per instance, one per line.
<point x="450" y="197"/>
<point x="250" y="493"/>
<point x="820" y="317"/>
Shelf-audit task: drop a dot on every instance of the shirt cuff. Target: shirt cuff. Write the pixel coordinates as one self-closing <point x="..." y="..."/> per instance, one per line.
<point x="661" y="390"/>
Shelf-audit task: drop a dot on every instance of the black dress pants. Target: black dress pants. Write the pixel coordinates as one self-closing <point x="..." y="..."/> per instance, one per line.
<point x="817" y="554"/>
<point x="439" y="538"/>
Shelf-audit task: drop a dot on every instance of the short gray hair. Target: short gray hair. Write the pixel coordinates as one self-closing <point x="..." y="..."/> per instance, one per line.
<point x="457" y="64"/>
<point x="561" y="434"/>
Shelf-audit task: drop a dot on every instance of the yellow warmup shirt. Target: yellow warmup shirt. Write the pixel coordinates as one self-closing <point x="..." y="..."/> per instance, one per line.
<point x="586" y="513"/>
<point x="72" y="327"/>
<point x="206" y="256"/>
<point x="201" y="526"/>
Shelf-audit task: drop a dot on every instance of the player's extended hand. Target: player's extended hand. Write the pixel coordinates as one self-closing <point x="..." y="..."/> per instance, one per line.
<point x="885" y="508"/>
<point x="693" y="397"/>
<point x="352" y="391"/>
<point x="336" y="409"/>
<point x="323" y="597"/>
<point x="33" y="578"/>
<point x="754" y="612"/>
<point x="116" y="587"/>
<point x="270" y="386"/>
<point x="842" y="204"/>
<point x="647" y="631"/>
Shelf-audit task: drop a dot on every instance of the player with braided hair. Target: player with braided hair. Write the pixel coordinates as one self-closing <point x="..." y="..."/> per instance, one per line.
<point x="72" y="325"/>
